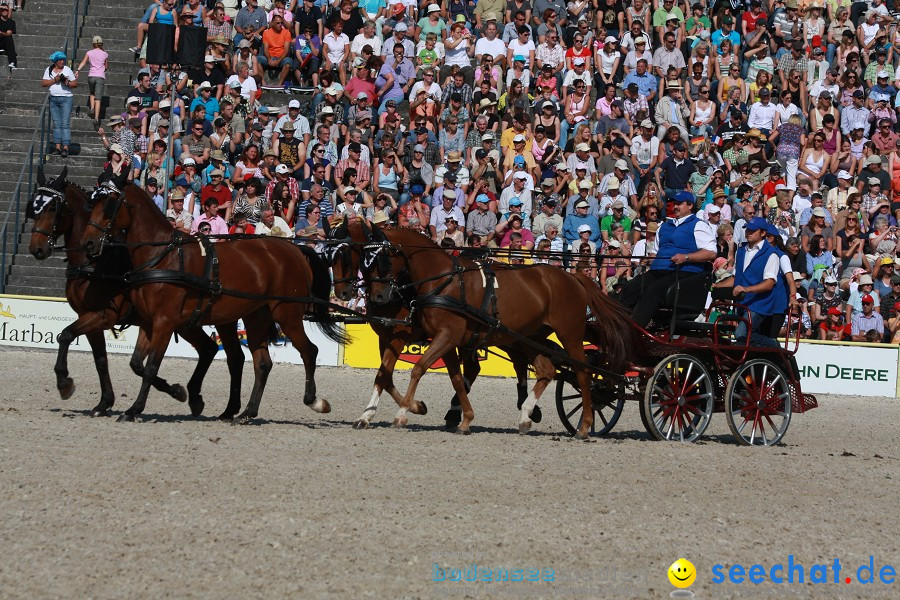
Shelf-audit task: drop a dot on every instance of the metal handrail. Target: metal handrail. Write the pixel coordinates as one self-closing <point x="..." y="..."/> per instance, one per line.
<point x="42" y="129"/>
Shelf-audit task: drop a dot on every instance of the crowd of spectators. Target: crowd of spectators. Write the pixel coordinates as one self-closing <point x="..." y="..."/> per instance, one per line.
<point x="541" y="125"/>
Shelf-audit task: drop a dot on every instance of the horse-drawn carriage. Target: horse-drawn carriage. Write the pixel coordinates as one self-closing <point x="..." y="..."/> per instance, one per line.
<point x="680" y="374"/>
<point x="684" y="370"/>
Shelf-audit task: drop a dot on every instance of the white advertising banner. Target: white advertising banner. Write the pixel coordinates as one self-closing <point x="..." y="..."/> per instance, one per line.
<point x="37" y="323"/>
<point x="848" y="369"/>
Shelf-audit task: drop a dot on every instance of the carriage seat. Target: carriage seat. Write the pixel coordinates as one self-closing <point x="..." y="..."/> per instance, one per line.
<point x="690" y="293"/>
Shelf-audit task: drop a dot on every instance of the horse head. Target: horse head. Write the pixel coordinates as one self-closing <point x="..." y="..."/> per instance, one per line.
<point x="47" y="207"/>
<point x="107" y="216"/>
<point x="343" y="255"/>
<point x="379" y="270"/>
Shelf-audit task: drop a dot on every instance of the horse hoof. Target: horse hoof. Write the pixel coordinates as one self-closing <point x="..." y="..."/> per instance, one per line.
<point x="525" y="427"/>
<point x="461" y="431"/>
<point x="536" y="415"/>
<point x="242" y="420"/>
<point x="226" y="416"/>
<point x="361" y="424"/>
<point x="400" y="422"/>
<point x="179" y="393"/>
<point x="99" y="412"/>
<point x="419" y="408"/>
<point x="125" y="418"/>
<point x="197" y="405"/>
<point x="452" y="419"/>
<point x="581" y="436"/>
<point x="321" y="406"/>
<point x="67" y="389"/>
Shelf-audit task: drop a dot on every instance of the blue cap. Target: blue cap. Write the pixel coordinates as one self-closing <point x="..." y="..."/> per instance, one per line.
<point x="417" y="188"/>
<point x="262" y="110"/>
<point x="484" y="198"/>
<point x="685" y="196"/>
<point x="772" y="230"/>
<point x="515" y="202"/>
<point x="757" y="223"/>
<point x="519" y="160"/>
<point x="518" y="57"/>
<point x="182" y="181"/>
<point x="58" y="55"/>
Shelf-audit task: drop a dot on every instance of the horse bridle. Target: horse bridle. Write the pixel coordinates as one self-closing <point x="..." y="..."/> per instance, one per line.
<point x="104" y="191"/>
<point x="377" y="254"/>
<point x="60" y="199"/>
<point x="341" y="248"/>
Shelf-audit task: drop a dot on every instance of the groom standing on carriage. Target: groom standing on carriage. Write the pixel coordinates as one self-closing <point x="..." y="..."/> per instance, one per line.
<point x="685" y="244"/>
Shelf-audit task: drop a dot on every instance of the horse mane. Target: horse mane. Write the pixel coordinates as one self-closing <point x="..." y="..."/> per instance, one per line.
<point x="139" y="194"/>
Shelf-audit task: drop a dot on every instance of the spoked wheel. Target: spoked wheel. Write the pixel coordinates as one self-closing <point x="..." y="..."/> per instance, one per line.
<point x="678" y="399"/>
<point x="758" y="403"/>
<point x="608" y="402"/>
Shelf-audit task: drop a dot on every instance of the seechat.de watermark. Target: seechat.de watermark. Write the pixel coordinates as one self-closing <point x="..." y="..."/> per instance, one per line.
<point x="792" y="571"/>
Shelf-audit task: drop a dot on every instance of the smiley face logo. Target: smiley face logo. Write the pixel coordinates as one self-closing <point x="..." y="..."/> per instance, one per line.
<point x="682" y="573"/>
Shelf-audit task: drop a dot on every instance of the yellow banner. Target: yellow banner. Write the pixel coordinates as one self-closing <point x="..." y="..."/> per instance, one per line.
<point x="363" y="352"/>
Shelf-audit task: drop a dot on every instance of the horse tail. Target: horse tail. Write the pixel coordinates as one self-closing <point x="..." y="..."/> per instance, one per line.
<point x="610" y="326"/>
<point x="321" y="290"/>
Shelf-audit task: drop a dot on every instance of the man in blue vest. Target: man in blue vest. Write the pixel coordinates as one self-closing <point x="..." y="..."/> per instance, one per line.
<point x="758" y="284"/>
<point x="685" y="243"/>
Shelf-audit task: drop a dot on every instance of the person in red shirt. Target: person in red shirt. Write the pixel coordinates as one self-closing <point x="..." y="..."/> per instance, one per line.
<point x="750" y="17"/>
<point x="217" y="190"/>
<point x="833" y="328"/>
<point x="775" y="178"/>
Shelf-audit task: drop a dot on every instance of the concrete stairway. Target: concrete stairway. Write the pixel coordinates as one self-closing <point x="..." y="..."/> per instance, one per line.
<point x="42" y="27"/>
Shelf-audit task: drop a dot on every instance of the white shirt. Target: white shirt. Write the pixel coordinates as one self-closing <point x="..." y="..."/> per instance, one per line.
<point x="495" y="48"/>
<point x="336" y="45"/>
<point x="761" y="116"/>
<point x="644" y="151"/>
<point x="279" y="229"/>
<point x="361" y="40"/>
<point x="434" y="89"/>
<point x="523" y="49"/>
<point x="301" y="126"/>
<point x="772" y="265"/>
<point x="248" y="86"/>
<point x="57" y="89"/>
<point x="642" y="249"/>
<point x="785" y="112"/>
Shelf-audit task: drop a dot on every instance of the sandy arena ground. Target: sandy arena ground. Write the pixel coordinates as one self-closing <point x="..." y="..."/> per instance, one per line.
<point x="301" y="505"/>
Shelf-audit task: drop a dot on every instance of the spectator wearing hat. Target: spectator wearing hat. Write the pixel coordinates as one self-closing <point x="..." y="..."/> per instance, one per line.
<point x="622" y="174"/>
<point x="218" y="190"/>
<point x="882" y="272"/>
<point x="762" y="113"/>
<point x="825" y="297"/>
<point x="685" y="244"/>
<point x="890" y="299"/>
<point x="646" y="247"/>
<point x="439" y="214"/>
<point x="866" y="321"/>
<point x="865" y="286"/>
<point x="872" y="169"/>
<point x="836" y="198"/>
<point x="616" y="214"/>
<point x="576" y="221"/>
<point x="183" y="219"/>
<point x="672" y="110"/>
<point x="96" y="56"/>
<point x="856" y="115"/>
<point x="832" y="327"/>
<point x="60" y="80"/>
<point x="481" y="221"/>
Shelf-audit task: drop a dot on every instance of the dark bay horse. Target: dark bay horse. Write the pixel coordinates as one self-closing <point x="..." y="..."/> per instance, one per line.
<point x="97" y="295"/>
<point x="348" y="241"/>
<point x="178" y="280"/>
<point x="529" y="302"/>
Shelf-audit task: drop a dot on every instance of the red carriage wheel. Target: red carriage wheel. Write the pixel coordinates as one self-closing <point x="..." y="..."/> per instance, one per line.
<point x="758" y="403"/>
<point x="678" y="399"/>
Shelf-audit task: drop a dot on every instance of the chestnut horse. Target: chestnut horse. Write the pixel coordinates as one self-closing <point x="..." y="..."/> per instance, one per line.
<point x="179" y="280"/>
<point x="528" y="304"/>
<point x="345" y="251"/>
<point x="97" y="295"/>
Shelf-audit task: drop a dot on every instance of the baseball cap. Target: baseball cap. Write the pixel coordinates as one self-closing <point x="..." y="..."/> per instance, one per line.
<point x="416" y="189"/>
<point x="519" y="138"/>
<point x="294" y="104"/>
<point x="548" y="181"/>
<point x="834" y="310"/>
<point x="582" y="147"/>
<point x="516" y="201"/>
<point x="859" y="94"/>
<point x="519" y="160"/>
<point x="282" y="169"/>
<point x="584" y="227"/>
<point x="874" y="181"/>
<point x="482" y="199"/>
<point x="756" y="224"/>
<point x="873" y="160"/>
<point x="520" y="175"/>
<point x="613" y="184"/>
<point x="647" y="123"/>
<point x="578" y="61"/>
<point x="585" y="184"/>
<point x="867" y="299"/>
<point x="582" y="204"/>
<point x="621" y="164"/>
<point x="450" y="194"/>
<point x="400" y="27"/>
<point x="842" y="174"/>
<point x="713" y="209"/>
<point x="685" y="196"/>
<point x="819" y="212"/>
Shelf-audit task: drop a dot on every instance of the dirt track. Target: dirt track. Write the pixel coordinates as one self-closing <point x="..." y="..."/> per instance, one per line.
<point x="301" y="505"/>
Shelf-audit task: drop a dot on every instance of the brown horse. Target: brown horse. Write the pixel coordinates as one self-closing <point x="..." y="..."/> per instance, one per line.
<point x="96" y="294"/>
<point x="179" y="280"/>
<point x="345" y="251"/>
<point x="528" y="304"/>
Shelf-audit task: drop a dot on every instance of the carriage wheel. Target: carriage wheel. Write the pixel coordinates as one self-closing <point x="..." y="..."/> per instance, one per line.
<point x="758" y="403"/>
<point x="608" y="403"/>
<point x="678" y="399"/>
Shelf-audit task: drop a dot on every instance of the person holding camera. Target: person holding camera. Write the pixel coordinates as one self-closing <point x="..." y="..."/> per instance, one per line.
<point x="60" y="79"/>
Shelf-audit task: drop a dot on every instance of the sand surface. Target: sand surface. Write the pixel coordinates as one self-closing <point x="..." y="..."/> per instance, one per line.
<point x="301" y="505"/>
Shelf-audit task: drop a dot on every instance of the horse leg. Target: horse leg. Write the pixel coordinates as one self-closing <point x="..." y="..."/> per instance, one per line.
<point x="573" y="344"/>
<point x="520" y="365"/>
<point x="107" y="396"/>
<point x="390" y="346"/>
<point x="291" y="323"/>
<point x="234" y="356"/>
<point x="471" y="369"/>
<point x="459" y="384"/>
<point x="440" y="346"/>
<point x="206" y="352"/>
<point x="136" y="363"/>
<point x="257" y="325"/>
<point x="545" y="371"/>
<point x="92" y="321"/>
<point x="155" y="350"/>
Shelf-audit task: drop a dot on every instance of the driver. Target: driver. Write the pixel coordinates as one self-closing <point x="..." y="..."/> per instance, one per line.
<point x="685" y="244"/>
<point x="757" y="283"/>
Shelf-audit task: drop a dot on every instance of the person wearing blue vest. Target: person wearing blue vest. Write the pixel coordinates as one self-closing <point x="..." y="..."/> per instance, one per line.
<point x="758" y="284"/>
<point x="786" y="274"/>
<point x="685" y="243"/>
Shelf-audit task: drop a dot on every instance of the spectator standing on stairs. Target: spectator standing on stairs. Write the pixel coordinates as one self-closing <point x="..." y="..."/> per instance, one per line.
<point x="7" y="31"/>
<point x="99" y="60"/>
<point x="60" y="79"/>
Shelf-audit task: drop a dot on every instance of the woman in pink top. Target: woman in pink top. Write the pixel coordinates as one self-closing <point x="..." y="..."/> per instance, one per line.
<point x="99" y="60"/>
